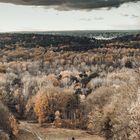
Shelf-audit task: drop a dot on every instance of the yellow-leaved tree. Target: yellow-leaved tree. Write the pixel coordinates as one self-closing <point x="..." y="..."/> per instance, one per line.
<point x="41" y="106"/>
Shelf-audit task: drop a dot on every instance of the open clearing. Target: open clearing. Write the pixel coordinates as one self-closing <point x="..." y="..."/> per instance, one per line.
<point x="29" y="131"/>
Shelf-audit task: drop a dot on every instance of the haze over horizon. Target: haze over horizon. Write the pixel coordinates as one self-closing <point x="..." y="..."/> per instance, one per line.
<point x="33" y="15"/>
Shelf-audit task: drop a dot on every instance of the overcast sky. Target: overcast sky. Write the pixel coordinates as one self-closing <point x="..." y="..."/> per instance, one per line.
<point x="35" y="15"/>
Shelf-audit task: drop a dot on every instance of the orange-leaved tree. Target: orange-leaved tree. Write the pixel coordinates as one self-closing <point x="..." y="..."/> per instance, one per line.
<point x="41" y="106"/>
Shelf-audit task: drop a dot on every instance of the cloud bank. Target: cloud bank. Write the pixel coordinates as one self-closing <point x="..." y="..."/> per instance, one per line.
<point x="71" y="4"/>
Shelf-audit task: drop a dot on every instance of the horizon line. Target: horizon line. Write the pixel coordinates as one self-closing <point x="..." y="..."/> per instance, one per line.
<point x="37" y="31"/>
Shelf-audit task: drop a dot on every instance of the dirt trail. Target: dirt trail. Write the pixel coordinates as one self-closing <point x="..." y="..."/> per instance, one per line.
<point x="29" y="131"/>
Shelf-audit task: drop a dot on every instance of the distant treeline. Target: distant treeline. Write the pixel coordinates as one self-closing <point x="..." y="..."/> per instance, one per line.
<point x="64" y="43"/>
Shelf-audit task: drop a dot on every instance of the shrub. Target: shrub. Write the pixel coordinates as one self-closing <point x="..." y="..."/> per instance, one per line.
<point x="7" y="121"/>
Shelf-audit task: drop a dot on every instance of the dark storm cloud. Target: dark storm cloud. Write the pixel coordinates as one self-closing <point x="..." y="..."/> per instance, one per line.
<point x="71" y="4"/>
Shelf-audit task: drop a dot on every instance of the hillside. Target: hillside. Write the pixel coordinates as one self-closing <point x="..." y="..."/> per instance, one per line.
<point x="72" y="85"/>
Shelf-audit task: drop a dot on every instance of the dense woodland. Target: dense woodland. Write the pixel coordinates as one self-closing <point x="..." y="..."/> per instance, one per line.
<point x="70" y="82"/>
